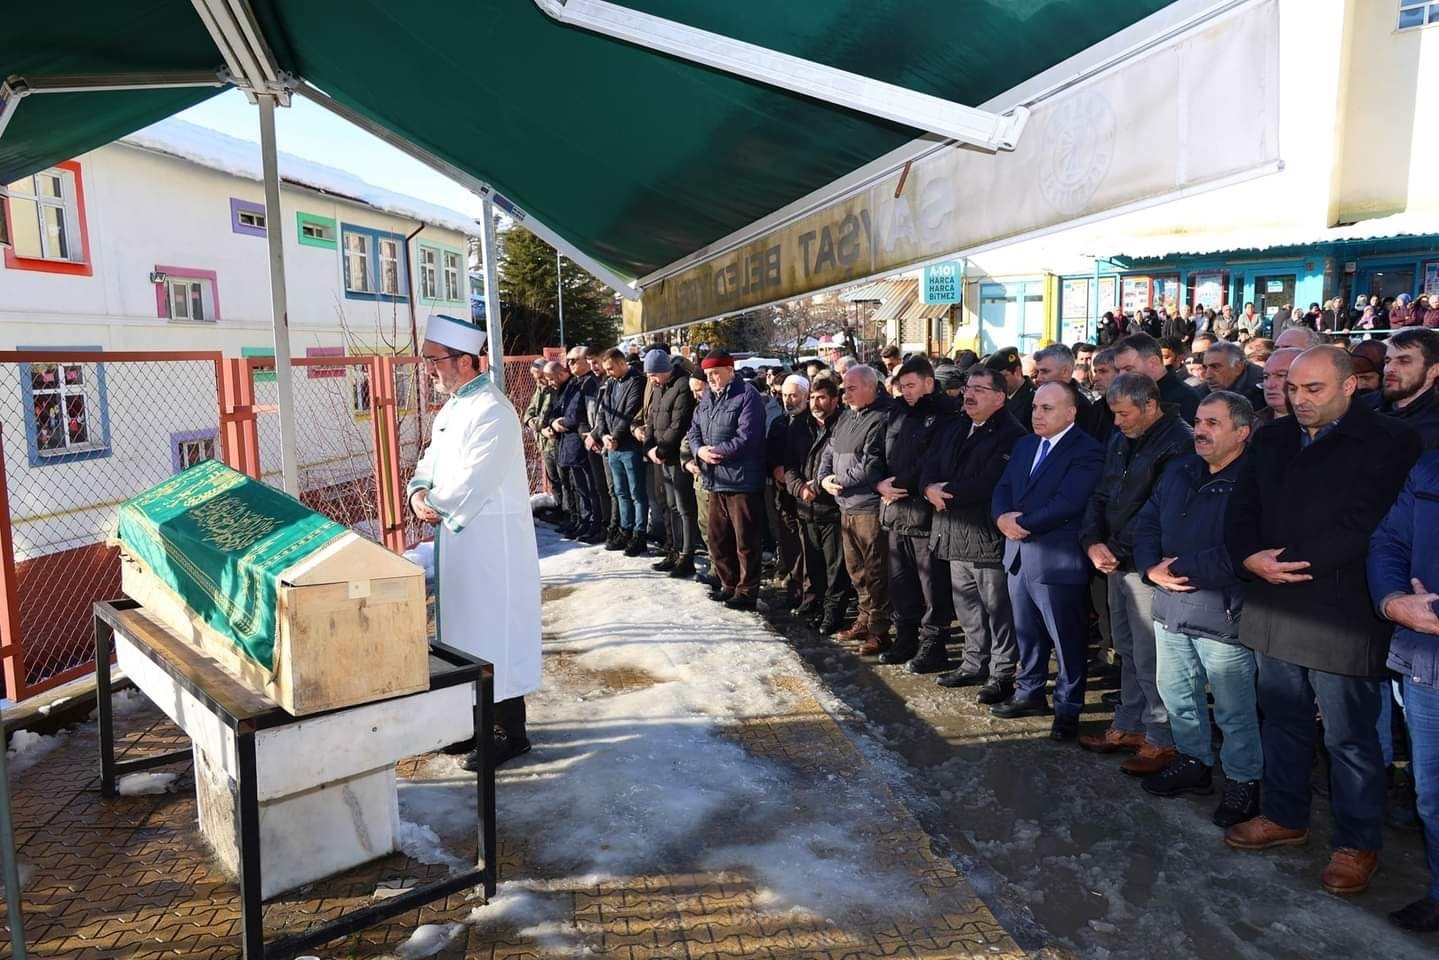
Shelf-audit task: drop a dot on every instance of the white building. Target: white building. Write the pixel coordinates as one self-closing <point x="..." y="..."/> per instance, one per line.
<point x="158" y="243"/>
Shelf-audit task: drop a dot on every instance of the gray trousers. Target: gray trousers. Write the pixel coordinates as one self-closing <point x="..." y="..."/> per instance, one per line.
<point x="981" y="605"/>
<point x="1131" y="621"/>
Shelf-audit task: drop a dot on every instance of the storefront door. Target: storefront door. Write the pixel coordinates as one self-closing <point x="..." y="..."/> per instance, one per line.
<point x="1011" y="315"/>
<point x="1272" y="294"/>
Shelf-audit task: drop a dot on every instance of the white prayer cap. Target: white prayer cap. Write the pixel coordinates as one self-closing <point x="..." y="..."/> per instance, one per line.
<point x="457" y="334"/>
<point x="798" y="382"/>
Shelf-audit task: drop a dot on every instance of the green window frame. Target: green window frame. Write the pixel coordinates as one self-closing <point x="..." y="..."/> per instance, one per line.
<point x="323" y="231"/>
<point x="447" y="278"/>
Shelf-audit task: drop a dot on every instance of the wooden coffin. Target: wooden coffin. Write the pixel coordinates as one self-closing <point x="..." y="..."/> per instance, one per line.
<point x="349" y="617"/>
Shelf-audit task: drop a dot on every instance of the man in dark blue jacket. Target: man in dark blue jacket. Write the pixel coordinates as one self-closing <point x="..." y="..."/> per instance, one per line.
<point x="568" y="423"/>
<point x="1179" y="546"/>
<point x="727" y="436"/>
<point x="1038" y="505"/>
<point x="1403" y="568"/>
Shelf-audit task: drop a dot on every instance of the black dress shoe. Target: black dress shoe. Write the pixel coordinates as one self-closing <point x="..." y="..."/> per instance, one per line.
<point x="505" y="749"/>
<point x="996" y="691"/>
<point x="1064" y="728"/>
<point x="831" y="621"/>
<point x="1421" y="916"/>
<point x="806" y="610"/>
<point x="1014" y="708"/>
<point x="931" y="658"/>
<point x="665" y="563"/>
<point x="1110" y="698"/>
<point x="958" y="678"/>
<point x="738" y="602"/>
<point x="721" y="596"/>
<point x="684" y="567"/>
<point x="593" y="536"/>
<point x="635" y="547"/>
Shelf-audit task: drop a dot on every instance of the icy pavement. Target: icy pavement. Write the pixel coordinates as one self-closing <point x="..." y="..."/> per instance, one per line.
<point x="688" y="795"/>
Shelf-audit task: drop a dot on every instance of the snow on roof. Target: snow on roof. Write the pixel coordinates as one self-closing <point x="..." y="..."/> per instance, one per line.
<point x="241" y="158"/>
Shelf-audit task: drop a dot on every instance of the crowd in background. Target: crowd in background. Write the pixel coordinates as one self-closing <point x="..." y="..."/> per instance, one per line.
<point x="1204" y="511"/>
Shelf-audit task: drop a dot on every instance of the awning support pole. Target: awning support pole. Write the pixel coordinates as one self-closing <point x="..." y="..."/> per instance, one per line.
<point x="494" y="323"/>
<point x="14" y="919"/>
<point x="279" y="308"/>
<point x="560" y="293"/>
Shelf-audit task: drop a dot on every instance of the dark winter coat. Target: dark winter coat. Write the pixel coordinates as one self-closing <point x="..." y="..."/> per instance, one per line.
<point x="1184" y="519"/>
<point x="907" y="439"/>
<point x="970" y="467"/>
<point x="1177" y="327"/>
<point x="855" y="455"/>
<point x="733" y="423"/>
<point x="1405" y="546"/>
<point x="1319" y="503"/>
<point x="571" y="409"/>
<point x="805" y="444"/>
<point x="1422" y="414"/>
<point x="1131" y="469"/>
<point x="672" y="408"/>
<point x="1175" y="391"/>
<point x="617" y="407"/>
<point x="1021" y="405"/>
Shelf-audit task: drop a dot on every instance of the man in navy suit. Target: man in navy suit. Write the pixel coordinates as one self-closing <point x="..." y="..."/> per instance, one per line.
<point x="1038" y="505"/>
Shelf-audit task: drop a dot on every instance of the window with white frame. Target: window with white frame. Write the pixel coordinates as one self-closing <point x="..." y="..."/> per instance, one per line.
<point x="1417" y="13"/>
<point x="250" y="218"/>
<point x="189" y="299"/>
<point x="193" y="451"/>
<point x="312" y="230"/>
<point x="357" y="262"/>
<point x="61" y="409"/>
<point x="45" y="217"/>
<point x="389" y="267"/>
<point x="429" y="273"/>
<point x="452" y="276"/>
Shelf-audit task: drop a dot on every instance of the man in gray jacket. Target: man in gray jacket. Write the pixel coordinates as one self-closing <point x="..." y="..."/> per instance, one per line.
<point x="852" y="466"/>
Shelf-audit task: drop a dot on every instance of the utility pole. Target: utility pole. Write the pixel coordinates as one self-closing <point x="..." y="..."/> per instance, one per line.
<point x="560" y="292"/>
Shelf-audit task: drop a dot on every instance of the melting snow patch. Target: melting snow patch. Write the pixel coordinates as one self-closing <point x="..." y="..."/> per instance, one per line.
<point x="27" y="748"/>
<point x="419" y="842"/>
<point x="128" y="701"/>
<point x="140" y="784"/>
<point x="429" y="940"/>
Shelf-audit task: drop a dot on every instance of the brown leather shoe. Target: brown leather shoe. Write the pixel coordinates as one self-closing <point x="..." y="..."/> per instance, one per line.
<point x="874" y="645"/>
<point x="856" y="631"/>
<point x="1261" y="833"/>
<point x="1148" y="760"/>
<point x="1113" y="740"/>
<point x="1349" y="871"/>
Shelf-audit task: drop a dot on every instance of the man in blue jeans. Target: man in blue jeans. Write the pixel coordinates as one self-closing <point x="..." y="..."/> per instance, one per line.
<point x="1403" y="566"/>
<point x="619" y="404"/>
<point x="1179" y="545"/>
<point x="1319" y="645"/>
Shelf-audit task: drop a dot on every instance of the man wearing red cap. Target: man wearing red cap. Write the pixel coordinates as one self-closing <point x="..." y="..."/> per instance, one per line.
<point x="727" y="436"/>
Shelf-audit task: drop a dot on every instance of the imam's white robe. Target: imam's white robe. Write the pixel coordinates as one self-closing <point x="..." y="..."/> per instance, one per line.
<point x="487" y="569"/>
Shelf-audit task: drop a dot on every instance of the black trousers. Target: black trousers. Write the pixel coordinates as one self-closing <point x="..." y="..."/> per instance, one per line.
<point x="581" y="484"/>
<point x="557" y="485"/>
<point x="736" y="529"/>
<point x="789" y="554"/>
<point x="827" y="582"/>
<point x="510" y="717"/>
<point x="919" y="592"/>
<point x="604" y="487"/>
<point x="681" y="509"/>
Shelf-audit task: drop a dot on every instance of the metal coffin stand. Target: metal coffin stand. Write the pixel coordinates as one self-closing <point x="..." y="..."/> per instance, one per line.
<point x="242" y="718"/>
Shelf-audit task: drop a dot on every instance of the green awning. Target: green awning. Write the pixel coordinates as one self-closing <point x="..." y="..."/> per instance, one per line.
<point x="635" y="158"/>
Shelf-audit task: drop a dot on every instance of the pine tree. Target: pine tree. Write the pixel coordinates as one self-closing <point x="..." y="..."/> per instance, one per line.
<point x="529" y="296"/>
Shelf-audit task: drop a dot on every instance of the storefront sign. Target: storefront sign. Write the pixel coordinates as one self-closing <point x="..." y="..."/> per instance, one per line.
<point x="1136" y="294"/>
<point x="1431" y="282"/>
<point x="1072" y="162"/>
<point x="1209" y="290"/>
<point x="1108" y="299"/>
<point x="1074" y="300"/>
<point x="941" y="283"/>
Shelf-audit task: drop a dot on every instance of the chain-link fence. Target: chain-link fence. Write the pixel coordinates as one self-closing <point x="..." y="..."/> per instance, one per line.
<point x="89" y="431"/>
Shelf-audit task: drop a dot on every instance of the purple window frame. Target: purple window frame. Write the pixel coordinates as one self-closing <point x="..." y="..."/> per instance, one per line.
<point x="162" y="300"/>
<point x="236" y="205"/>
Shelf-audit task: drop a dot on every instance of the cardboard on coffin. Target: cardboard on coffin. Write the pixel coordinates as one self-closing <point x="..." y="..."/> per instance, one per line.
<point x="352" y="627"/>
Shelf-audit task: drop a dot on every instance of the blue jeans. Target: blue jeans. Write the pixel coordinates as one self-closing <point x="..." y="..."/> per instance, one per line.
<point x="1185" y="662"/>
<point x="1421" y="711"/>
<point x="632" y="490"/>
<point x="1288" y="694"/>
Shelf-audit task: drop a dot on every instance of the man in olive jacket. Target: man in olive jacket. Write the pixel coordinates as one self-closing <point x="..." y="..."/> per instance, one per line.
<point x="1307" y="614"/>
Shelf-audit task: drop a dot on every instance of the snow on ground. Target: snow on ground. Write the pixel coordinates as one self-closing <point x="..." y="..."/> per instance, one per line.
<point x="429" y="940"/>
<point x="140" y="784"/>
<point x="27" y="748"/>
<point x="636" y="767"/>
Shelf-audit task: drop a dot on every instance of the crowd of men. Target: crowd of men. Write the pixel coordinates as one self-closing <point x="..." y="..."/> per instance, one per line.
<point x="1242" y="522"/>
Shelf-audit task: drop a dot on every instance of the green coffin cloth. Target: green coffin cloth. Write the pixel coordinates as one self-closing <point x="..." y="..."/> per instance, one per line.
<point x="221" y="540"/>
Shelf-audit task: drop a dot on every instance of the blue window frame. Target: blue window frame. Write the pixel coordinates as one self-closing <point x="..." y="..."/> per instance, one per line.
<point x="374" y="264"/>
<point x="67" y="408"/>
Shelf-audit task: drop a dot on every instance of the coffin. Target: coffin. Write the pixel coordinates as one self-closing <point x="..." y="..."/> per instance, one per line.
<point x="294" y="605"/>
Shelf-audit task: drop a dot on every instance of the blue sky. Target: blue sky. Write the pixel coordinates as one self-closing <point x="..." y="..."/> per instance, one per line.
<point x="314" y="133"/>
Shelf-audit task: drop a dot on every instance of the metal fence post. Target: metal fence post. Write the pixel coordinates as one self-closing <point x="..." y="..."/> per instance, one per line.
<point x="240" y="439"/>
<point x="12" y="646"/>
<point x="385" y="421"/>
